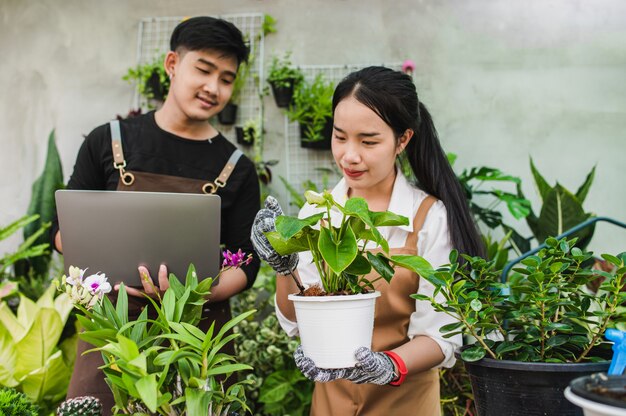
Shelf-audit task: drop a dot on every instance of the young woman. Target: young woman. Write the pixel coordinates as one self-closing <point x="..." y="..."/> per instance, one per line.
<point x="377" y="116"/>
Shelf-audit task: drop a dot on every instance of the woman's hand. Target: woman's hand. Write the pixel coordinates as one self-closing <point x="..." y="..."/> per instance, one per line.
<point x="149" y="288"/>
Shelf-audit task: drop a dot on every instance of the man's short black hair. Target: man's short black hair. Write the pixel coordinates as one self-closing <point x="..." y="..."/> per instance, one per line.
<point x="209" y="33"/>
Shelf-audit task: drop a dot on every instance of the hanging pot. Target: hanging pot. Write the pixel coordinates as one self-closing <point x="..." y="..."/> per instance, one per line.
<point x="514" y="388"/>
<point x="239" y="132"/>
<point x="332" y="328"/>
<point x="154" y="86"/>
<point x="283" y="95"/>
<point x="325" y="143"/>
<point x="228" y="115"/>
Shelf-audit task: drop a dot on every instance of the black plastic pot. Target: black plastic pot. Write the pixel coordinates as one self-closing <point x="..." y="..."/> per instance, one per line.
<point x="283" y="95"/>
<point x="240" y="137"/>
<point x="513" y="388"/>
<point x="228" y="115"/>
<point x="600" y="388"/>
<point x="325" y="143"/>
<point x="157" y="89"/>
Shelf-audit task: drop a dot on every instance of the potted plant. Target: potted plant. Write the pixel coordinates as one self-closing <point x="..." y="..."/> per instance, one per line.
<point x="228" y="115"/>
<point x="249" y="132"/>
<point x="283" y="78"/>
<point x="599" y="394"/>
<point x="533" y="335"/>
<point x="336" y="318"/>
<point x="162" y="364"/>
<point x="312" y="109"/>
<point x="151" y="80"/>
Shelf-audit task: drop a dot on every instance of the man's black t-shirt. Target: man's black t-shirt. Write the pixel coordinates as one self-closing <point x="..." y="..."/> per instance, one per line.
<point x="148" y="148"/>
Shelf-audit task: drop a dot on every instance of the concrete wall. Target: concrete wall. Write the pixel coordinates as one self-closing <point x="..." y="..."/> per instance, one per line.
<point x="505" y="80"/>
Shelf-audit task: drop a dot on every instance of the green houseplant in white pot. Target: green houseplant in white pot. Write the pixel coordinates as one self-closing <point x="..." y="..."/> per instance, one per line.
<point x="336" y="318"/>
<point x="534" y="334"/>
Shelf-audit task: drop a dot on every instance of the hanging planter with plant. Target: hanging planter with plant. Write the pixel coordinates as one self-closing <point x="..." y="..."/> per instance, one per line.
<point x="228" y="116"/>
<point x="151" y="80"/>
<point x="312" y="108"/>
<point x="284" y="79"/>
<point x="250" y="131"/>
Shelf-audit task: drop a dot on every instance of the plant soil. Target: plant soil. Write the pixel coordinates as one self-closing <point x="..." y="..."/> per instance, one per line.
<point x="317" y="290"/>
<point x="609" y="393"/>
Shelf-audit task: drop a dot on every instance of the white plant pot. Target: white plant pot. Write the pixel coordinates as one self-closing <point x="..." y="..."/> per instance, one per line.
<point x="591" y="408"/>
<point x="332" y="328"/>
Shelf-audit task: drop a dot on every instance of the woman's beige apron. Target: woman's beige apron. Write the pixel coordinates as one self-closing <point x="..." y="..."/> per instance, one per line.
<point x="87" y="380"/>
<point x="419" y="394"/>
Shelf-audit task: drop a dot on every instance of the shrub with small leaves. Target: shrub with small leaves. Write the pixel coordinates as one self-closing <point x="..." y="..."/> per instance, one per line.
<point x="14" y="403"/>
<point x="85" y="405"/>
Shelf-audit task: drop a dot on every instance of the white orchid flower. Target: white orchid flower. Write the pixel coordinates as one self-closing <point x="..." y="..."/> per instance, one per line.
<point x="97" y="284"/>
<point x="76" y="276"/>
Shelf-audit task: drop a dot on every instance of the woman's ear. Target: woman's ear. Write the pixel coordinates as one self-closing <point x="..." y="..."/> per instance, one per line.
<point x="404" y="141"/>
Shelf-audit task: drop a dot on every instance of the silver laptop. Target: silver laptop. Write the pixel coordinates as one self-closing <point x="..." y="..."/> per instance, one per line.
<point x="114" y="232"/>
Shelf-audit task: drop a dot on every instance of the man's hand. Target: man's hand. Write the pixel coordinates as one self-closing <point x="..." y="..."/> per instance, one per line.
<point x="149" y="288"/>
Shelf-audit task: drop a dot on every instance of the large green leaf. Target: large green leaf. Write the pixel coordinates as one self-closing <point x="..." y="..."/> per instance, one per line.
<point x="542" y="185"/>
<point x="48" y="382"/>
<point x="380" y="263"/>
<point x="581" y="193"/>
<point x="388" y="218"/>
<point x="290" y="226"/>
<point x="337" y="254"/>
<point x="42" y="200"/>
<point x="39" y="342"/>
<point x="278" y="385"/>
<point x="359" y="267"/>
<point x="9" y="321"/>
<point x="8" y="356"/>
<point x="560" y="212"/>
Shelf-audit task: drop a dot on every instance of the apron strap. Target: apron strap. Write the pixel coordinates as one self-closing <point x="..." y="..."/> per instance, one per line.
<point x="418" y="221"/>
<point x="119" y="163"/>
<point x="220" y="181"/>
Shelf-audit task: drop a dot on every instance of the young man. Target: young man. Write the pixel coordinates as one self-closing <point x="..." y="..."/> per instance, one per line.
<point x="175" y="149"/>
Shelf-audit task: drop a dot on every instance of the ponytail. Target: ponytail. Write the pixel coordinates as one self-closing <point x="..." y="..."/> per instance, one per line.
<point x="435" y="176"/>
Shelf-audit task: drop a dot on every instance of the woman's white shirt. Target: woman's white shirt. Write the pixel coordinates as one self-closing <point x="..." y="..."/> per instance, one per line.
<point x="433" y="244"/>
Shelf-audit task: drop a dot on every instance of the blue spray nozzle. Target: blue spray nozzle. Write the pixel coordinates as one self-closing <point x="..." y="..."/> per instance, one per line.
<point x="618" y="363"/>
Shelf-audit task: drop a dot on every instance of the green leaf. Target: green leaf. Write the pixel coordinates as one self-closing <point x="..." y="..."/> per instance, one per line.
<point x="416" y="264"/>
<point x="284" y="246"/>
<point x="542" y="185"/>
<point x="451" y="327"/>
<point x="557" y="340"/>
<point x="381" y="264"/>
<point x="147" y="389"/>
<point x="359" y="267"/>
<point x="581" y="193"/>
<point x="387" y="218"/>
<point x="197" y="401"/>
<point x="39" y="342"/>
<point x="276" y="386"/>
<point x="560" y="212"/>
<point x="476" y="305"/>
<point x="169" y="304"/>
<point x="288" y="226"/>
<point x="473" y="353"/>
<point x="121" y="306"/>
<point x="337" y="254"/>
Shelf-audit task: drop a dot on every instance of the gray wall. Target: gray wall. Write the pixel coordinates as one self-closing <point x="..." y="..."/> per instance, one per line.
<point x="505" y="80"/>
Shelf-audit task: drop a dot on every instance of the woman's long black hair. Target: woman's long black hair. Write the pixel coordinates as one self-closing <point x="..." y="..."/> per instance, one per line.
<point x="392" y="95"/>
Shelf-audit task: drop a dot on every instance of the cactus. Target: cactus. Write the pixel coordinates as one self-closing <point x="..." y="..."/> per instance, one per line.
<point x="85" y="405"/>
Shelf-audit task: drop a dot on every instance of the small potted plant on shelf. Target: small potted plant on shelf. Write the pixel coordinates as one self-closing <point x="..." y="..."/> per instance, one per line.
<point x="312" y="109"/>
<point x="534" y="334"/>
<point x="161" y="363"/>
<point x="284" y="79"/>
<point x="151" y="80"/>
<point x="228" y="115"/>
<point x="336" y="318"/>
<point x="249" y="132"/>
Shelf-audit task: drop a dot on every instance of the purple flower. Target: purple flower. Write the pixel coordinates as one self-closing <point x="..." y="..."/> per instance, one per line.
<point x="236" y="259"/>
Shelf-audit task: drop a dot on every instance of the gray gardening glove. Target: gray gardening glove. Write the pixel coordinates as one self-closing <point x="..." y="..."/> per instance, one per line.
<point x="321" y="375"/>
<point x="265" y="221"/>
<point x="371" y="367"/>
